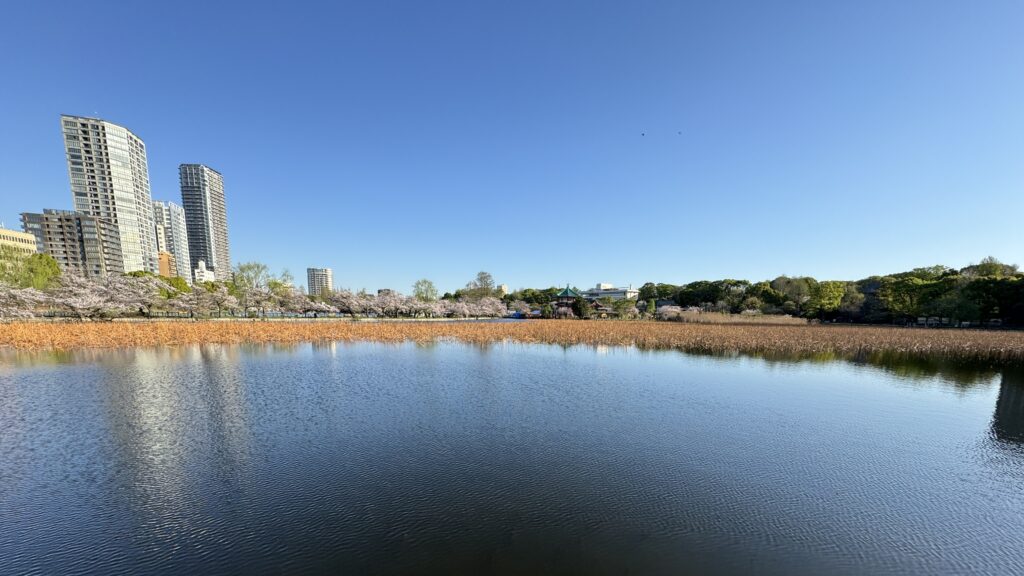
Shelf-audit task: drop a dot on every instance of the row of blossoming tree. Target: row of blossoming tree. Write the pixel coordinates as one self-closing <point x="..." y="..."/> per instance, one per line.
<point x="253" y="293"/>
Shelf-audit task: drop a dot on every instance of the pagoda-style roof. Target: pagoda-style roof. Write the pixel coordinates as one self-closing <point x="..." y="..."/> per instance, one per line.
<point x="567" y="293"/>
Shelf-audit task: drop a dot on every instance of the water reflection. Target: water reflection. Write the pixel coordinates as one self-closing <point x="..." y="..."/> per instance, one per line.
<point x="1008" y="420"/>
<point x="334" y="457"/>
<point x="180" y="436"/>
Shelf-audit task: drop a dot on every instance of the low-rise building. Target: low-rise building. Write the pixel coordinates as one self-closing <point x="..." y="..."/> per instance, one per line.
<point x="610" y="291"/>
<point x="21" y="243"/>
<point x="80" y="243"/>
<point x="203" y="274"/>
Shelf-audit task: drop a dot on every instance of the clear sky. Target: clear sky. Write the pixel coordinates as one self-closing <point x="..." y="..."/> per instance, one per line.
<point x="548" y="142"/>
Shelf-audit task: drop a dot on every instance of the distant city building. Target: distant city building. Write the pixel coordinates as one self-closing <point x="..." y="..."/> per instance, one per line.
<point x="385" y="292"/>
<point x="503" y="289"/>
<point x="22" y="243"/>
<point x="320" y="281"/>
<point x="167" y="264"/>
<point x="110" y="180"/>
<point x="80" y="243"/>
<point x="203" y="274"/>
<point x="610" y="291"/>
<point x="172" y="235"/>
<point x="206" y="221"/>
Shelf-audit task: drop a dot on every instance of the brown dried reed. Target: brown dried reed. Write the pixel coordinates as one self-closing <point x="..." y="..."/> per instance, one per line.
<point x="993" y="347"/>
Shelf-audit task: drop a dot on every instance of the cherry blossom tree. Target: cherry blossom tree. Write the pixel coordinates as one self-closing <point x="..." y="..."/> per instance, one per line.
<point x="564" y="313"/>
<point x="82" y="297"/>
<point x="194" y="303"/>
<point x="294" y="300"/>
<point x="19" y="302"/>
<point x="261" y="300"/>
<point x="669" y="313"/>
<point x="220" y="299"/>
<point x="355" y="304"/>
<point x="129" y="294"/>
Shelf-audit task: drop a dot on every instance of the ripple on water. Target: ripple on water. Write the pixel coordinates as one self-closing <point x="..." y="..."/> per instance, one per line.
<point x="510" y="459"/>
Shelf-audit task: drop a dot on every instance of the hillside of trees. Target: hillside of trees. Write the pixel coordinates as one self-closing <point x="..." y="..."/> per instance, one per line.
<point x="985" y="293"/>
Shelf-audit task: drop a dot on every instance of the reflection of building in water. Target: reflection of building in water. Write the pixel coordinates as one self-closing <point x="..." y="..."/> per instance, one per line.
<point x="1008" y="421"/>
<point x="178" y="419"/>
<point x="329" y="347"/>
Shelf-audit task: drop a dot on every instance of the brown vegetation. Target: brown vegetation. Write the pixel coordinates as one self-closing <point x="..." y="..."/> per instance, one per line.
<point x="849" y="341"/>
<point x="723" y="318"/>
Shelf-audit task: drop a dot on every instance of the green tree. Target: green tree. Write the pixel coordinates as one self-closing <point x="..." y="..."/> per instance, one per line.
<point x="667" y="291"/>
<point x="480" y="287"/>
<point x="764" y="292"/>
<point x="798" y="291"/>
<point x="649" y="291"/>
<point x="825" y="298"/>
<point x="989" y="267"/>
<point x="852" y="302"/>
<point x="38" y="271"/>
<point x="249" y="279"/>
<point x="698" y="293"/>
<point x="424" y="290"/>
<point x="751" y="303"/>
<point x="547" y="311"/>
<point x="624" y="307"/>
<point x="902" y="296"/>
<point x="582" y="308"/>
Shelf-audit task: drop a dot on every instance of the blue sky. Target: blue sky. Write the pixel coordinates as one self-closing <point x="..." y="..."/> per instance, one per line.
<point x="548" y="142"/>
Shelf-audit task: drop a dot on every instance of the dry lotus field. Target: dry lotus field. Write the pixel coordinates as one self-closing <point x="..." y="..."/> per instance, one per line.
<point x="768" y="340"/>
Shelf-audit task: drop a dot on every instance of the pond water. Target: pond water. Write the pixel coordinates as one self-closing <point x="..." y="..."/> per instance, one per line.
<point x="508" y="459"/>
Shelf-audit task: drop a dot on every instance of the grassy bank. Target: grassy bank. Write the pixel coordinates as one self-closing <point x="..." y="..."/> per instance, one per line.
<point x="978" y="346"/>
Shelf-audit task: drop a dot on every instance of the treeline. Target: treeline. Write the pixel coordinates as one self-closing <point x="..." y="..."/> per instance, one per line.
<point x="986" y="293"/>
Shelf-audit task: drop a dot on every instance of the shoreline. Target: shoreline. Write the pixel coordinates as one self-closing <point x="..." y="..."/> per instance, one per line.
<point x="992" y="347"/>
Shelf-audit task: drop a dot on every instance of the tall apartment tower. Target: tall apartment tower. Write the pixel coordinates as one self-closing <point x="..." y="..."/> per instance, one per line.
<point x="172" y="236"/>
<point x="81" y="244"/>
<point x="206" y="219"/>
<point x="319" y="281"/>
<point x="110" y="180"/>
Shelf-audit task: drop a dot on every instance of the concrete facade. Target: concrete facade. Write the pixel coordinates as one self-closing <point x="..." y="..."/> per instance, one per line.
<point x="202" y="196"/>
<point x="319" y="281"/>
<point x="22" y="243"/>
<point x="109" y="177"/>
<point x="80" y="243"/>
<point x="172" y="235"/>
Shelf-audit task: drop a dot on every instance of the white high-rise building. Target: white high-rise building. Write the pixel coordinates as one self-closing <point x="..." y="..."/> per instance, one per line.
<point x="206" y="219"/>
<point x="110" y="180"/>
<point x="172" y="235"/>
<point x="319" y="281"/>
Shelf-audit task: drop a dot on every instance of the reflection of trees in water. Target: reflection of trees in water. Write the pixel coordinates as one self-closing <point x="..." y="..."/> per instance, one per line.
<point x="1008" y="419"/>
<point x="902" y="365"/>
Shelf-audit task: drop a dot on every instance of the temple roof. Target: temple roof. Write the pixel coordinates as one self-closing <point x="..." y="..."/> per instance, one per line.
<point x="567" y="293"/>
